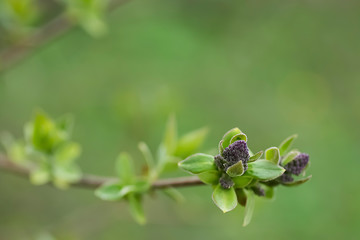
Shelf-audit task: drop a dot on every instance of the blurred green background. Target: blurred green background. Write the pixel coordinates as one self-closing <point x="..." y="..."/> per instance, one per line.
<point x="272" y="68"/>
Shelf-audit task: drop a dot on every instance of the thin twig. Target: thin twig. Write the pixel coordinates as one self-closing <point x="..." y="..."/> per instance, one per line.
<point x="58" y="26"/>
<point x="92" y="181"/>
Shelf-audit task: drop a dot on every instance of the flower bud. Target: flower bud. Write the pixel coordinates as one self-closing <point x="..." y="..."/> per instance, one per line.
<point x="236" y="152"/>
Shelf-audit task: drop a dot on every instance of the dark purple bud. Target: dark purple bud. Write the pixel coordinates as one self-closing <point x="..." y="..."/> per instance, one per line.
<point x="226" y="181"/>
<point x="286" y="178"/>
<point x="297" y="165"/>
<point x="235" y="152"/>
<point x="219" y="162"/>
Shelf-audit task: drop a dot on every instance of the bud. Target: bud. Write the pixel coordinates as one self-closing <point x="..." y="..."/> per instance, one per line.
<point x="297" y="165"/>
<point x="236" y="152"/>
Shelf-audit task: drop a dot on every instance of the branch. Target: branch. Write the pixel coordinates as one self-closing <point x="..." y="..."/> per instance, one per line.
<point x="55" y="28"/>
<point x="92" y="181"/>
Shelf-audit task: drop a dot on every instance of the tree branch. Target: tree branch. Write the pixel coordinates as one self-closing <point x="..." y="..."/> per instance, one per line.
<point x="53" y="29"/>
<point x="92" y="181"/>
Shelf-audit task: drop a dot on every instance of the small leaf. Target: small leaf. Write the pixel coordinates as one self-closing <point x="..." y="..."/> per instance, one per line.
<point x="170" y="137"/>
<point x="147" y="155"/>
<point x="228" y="136"/>
<point x="289" y="157"/>
<point x="124" y="168"/>
<point x="221" y="148"/>
<point x="249" y="207"/>
<point x="255" y="157"/>
<point x="235" y="170"/>
<point x="241" y="196"/>
<point x="269" y="191"/>
<point x="286" y="144"/>
<point x="198" y="163"/>
<point x="210" y="177"/>
<point x="264" y="170"/>
<point x="136" y="208"/>
<point x="113" y="192"/>
<point x="241" y="181"/>
<point x="66" y="124"/>
<point x="297" y="182"/>
<point x="40" y="176"/>
<point x="237" y="137"/>
<point x="225" y="199"/>
<point x="66" y="153"/>
<point x="190" y="142"/>
<point x="63" y="175"/>
<point x="273" y="155"/>
<point x="174" y="194"/>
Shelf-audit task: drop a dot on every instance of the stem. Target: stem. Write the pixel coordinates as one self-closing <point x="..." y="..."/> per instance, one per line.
<point x="92" y="181"/>
<point x="58" y="26"/>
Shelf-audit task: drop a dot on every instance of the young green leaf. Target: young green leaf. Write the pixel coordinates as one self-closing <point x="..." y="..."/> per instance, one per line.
<point x="297" y="182"/>
<point x="124" y="168"/>
<point x="66" y="153"/>
<point x="236" y="170"/>
<point x="241" y="181"/>
<point x="256" y="156"/>
<point x="225" y="199"/>
<point x="170" y="137"/>
<point x="273" y="155"/>
<point x="237" y="137"/>
<point x="249" y="207"/>
<point x="114" y="191"/>
<point x="136" y="208"/>
<point x="190" y="142"/>
<point x="147" y="155"/>
<point x="174" y="194"/>
<point x="241" y="196"/>
<point x="221" y="148"/>
<point x="264" y="170"/>
<point x="289" y="157"/>
<point x="210" y="177"/>
<point x="40" y="176"/>
<point x="65" y="174"/>
<point x="198" y="163"/>
<point x="229" y="135"/>
<point x="286" y="144"/>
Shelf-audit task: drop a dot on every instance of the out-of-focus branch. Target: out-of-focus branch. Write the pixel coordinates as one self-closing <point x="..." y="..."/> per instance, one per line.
<point x="92" y="182"/>
<point x="12" y="55"/>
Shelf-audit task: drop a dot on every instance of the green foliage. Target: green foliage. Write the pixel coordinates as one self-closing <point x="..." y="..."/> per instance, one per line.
<point x="47" y="150"/>
<point x="239" y="181"/>
<point x="286" y="144"/>
<point x="132" y="188"/>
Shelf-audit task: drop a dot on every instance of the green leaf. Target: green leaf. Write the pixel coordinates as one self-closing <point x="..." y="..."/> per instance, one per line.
<point x="286" y="144"/>
<point x="14" y="149"/>
<point x="241" y="181"/>
<point x="114" y="191"/>
<point x="264" y="170"/>
<point x="210" y="177"/>
<point x="66" y="124"/>
<point x="147" y="155"/>
<point x="237" y="137"/>
<point x="40" y="176"/>
<point x="221" y="148"/>
<point x="249" y="207"/>
<point x="273" y="155"/>
<point x="190" y="142"/>
<point x="65" y="174"/>
<point x="236" y="170"/>
<point x="229" y="135"/>
<point x="174" y="194"/>
<point x="124" y="168"/>
<point x="297" y="182"/>
<point x="198" y="163"/>
<point x="45" y="135"/>
<point x="136" y="208"/>
<point x="241" y="196"/>
<point x="255" y="157"/>
<point x="67" y="153"/>
<point x="269" y="191"/>
<point x="170" y="137"/>
<point x="225" y="199"/>
<point x="289" y="157"/>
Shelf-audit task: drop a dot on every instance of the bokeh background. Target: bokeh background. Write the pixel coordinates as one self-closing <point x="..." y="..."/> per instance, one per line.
<point x="272" y="68"/>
